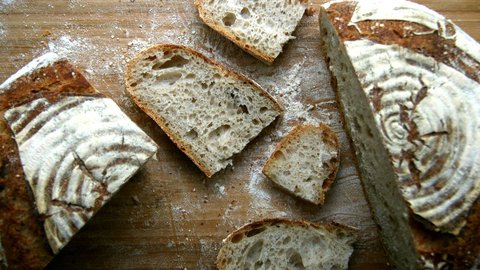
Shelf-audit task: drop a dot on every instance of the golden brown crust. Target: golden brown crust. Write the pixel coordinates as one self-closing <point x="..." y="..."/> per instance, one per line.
<point x="257" y="225"/>
<point x="459" y="252"/>
<point x="129" y="80"/>
<point x="21" y="230"/>
<point x="329" y="138"/>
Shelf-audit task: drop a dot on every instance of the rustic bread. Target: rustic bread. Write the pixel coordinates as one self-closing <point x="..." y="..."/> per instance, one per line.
<point x="305" y="162"/>
<point x="211" y="113"/>
<point x="65" y="150"/>
<point x="261" y="28"/>
<point x="408" y="81"/>
<point x="284" y="244"/>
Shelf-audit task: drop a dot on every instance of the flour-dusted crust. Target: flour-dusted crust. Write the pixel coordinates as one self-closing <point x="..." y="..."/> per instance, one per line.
<point x="67" y="149"/>
<point x="305" y="163"/>
<point x="244" y="28"/>
<point x="419" y="75"/>
<point x="324" y="246"/>
<point x="140" y="67"/>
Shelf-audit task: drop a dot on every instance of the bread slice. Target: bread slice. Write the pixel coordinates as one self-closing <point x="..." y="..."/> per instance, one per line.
<point x="285" y="244"/>
<point x="211" y="113"/>
<point x="305" y="162"/>
<point x="66" y="149"/>
<point x="408" y="82"/>
<point x="261" y="28"/>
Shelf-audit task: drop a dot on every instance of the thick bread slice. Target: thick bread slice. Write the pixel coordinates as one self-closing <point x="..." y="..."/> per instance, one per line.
<point x="65" y="151"/>
<point x="211" y="113"/>
<point x="261" y="28"/>
<point x="305" y="162"/>
<point x="283" y="244"/>
<point x="408" y="82"/>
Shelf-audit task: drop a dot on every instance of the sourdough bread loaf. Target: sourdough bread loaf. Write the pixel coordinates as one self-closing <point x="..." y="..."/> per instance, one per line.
<point x="209" y="112"/>
<point x="66" y="149"/>
<point x="305" y="162"/>
<point x="285" y="244"/>
<point x="261" y="28"/>
<point x="408" y="81"/>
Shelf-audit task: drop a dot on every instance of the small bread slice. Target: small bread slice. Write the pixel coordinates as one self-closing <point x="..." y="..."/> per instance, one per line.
<point x="261" y="28"/>
<point x="284" y="244"/>
<point x="305" y="162"/>
<point x="209" y="112"/>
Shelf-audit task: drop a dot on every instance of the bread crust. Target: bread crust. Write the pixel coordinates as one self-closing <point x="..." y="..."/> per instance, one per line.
<point x="160" y="121"/>
<point x="330" y="138"/>
<point x="22" y="234"/>
<point x="332" y="227"/>
<point x="459" y="251"/>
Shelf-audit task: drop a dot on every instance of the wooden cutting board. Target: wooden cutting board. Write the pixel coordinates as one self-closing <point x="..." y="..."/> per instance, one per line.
<point x="170" y="216"/>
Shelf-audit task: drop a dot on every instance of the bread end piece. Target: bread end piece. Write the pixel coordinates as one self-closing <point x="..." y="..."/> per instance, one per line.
<point x="286" y="244"/>
<point x="305" y="162"/>
<point x="249" y="24"/>
<point x="211" y="113"/>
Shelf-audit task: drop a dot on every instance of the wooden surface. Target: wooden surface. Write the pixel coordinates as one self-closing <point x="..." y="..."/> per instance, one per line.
<point x="170" y="216"/>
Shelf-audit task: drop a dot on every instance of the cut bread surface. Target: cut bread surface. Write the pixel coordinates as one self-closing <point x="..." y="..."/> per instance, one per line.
<point x="283" y="244"/>
<point x="305" y="162"/>
<point x="211" y="113"/>
<point x="408" y="83"/>
<point x="259" y="27"/>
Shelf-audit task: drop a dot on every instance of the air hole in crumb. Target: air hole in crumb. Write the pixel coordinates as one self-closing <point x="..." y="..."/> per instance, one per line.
<point x="255" y="121"/>
<point x="245" y="12"/>
<point x="263" y="109"/>
<point x="217" y="76"/>
<point x="134" y="84"/>
<point x="229" y="19"/>
<point x="175" y="61"/>
<point x="151" y="58"/>
<point x="169" y="78"/>
<point x="192" y="134"/>
<point x="255" y="231"/>
<point x="244" y="109"/>
<point x="204" y="86"/>
<point x="190" y="76"/>
<point x="237" y="238"/>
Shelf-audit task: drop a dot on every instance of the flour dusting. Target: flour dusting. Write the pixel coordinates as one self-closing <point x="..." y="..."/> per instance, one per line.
<point x="3" y="32"/>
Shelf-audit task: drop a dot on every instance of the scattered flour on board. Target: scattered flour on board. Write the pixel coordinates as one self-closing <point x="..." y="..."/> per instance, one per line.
<point x="6" y="3"/>
<point x="3" y="32"/>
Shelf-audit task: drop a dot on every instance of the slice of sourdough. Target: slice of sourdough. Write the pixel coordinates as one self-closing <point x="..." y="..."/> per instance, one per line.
<point x="209" y="112"/>
<point x="261" y="28"/>
<point x="305" y="162"/>
<point x="408" y="82"/>
<point x="285" y="244"/>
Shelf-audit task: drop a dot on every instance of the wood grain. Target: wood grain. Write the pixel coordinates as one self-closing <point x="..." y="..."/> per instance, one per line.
<point x="170" y="216"/>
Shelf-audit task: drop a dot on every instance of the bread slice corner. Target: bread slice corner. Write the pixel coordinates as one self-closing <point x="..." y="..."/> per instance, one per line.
<point x="286" y="244"/>
<point x="211" y="113"/>
<point x="305" y="162"/>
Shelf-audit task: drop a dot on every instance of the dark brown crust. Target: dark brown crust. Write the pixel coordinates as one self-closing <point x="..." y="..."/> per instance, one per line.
<point x="129" y="80"/>
<point x="21" y="229"/>
<point x="249" y="48"/>
<point x="329" y="137"/>
<point x="331" y="227"/>
<point x="458" y="252"/>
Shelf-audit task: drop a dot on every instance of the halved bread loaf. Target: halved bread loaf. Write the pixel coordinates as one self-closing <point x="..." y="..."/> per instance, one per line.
<point x="408" y="80"/>
<point x="305" y="162"/>
<point x="261" y="28"/>
<point x="66" y="149"/>
<point x="211" y="113"/>
<point x="285" y="244"/>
